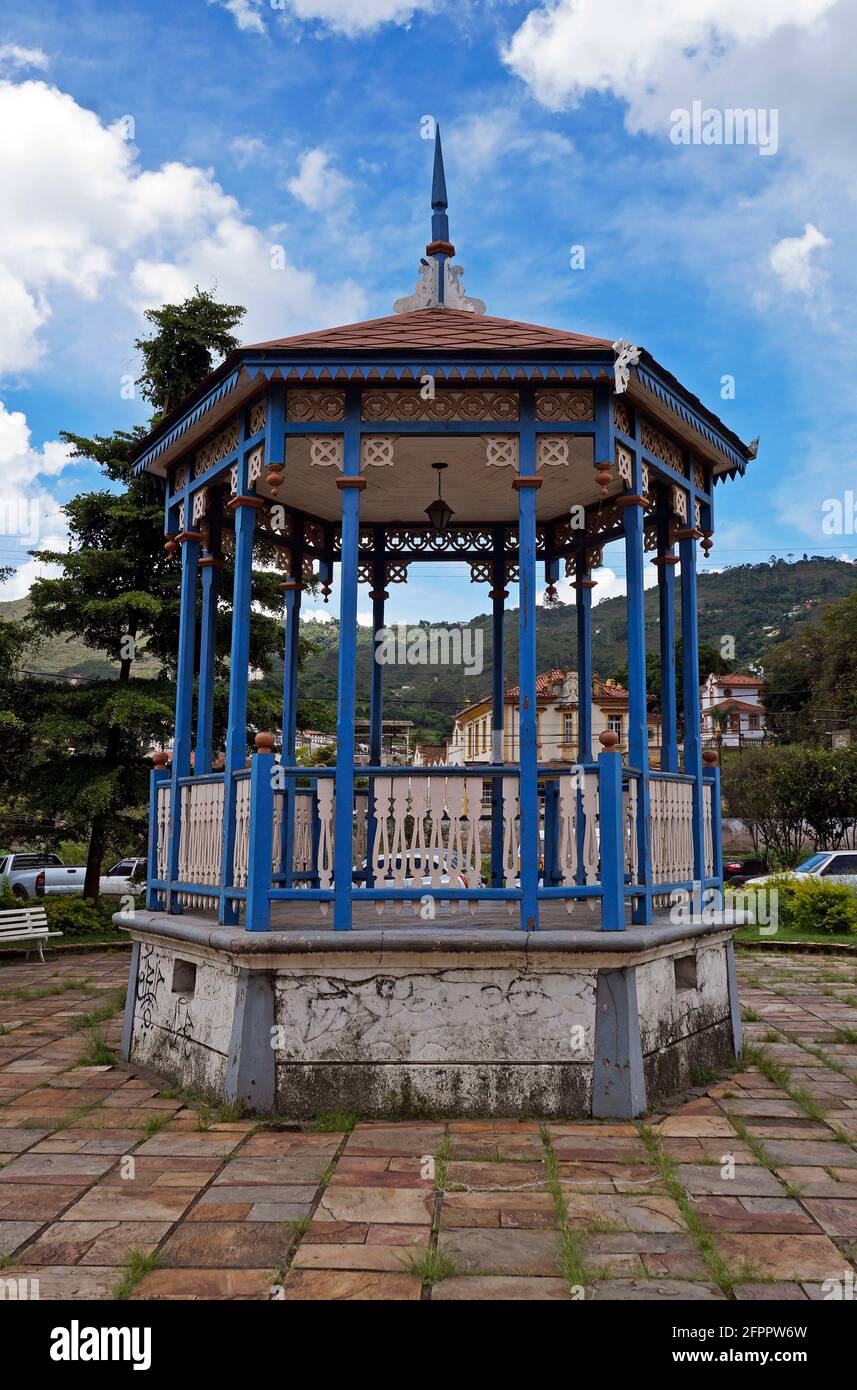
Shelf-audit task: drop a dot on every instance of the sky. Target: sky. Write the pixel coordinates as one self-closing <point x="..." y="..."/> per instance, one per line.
<point x="146" y="148"/>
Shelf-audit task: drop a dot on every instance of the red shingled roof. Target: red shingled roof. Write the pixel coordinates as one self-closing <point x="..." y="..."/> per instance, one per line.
<point x="546" y="681"/>
<point x="739" y="680"/>
<point x="441" y="330"/>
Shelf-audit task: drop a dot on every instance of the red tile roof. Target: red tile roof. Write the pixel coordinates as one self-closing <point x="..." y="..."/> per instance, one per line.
<point x="726" y="705"/>
<point x="546" y="681"/>
<point x="739" y="680"/>
<point x="441" y="330"/>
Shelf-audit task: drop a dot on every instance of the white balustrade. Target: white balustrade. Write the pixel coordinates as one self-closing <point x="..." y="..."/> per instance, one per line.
<point x="201" y="840"/>
<point x="671" y="828"/>
<point x="578" y="806"/>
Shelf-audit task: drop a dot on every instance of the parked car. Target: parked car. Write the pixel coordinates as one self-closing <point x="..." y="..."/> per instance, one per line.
<point x="836" y="866"/>
<point x="128" y="877"/>
<point x="35" y="875"/>
<point x="737" y="871"/>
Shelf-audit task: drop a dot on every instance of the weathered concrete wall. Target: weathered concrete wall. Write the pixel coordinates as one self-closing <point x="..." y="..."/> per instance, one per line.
<point x="451" y="1023"/>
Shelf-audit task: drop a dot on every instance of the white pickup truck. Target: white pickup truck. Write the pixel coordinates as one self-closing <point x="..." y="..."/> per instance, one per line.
<point x="35" y="875"/>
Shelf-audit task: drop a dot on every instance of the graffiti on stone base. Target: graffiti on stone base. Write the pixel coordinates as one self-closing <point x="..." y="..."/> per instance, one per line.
<point x="149" y="977"/>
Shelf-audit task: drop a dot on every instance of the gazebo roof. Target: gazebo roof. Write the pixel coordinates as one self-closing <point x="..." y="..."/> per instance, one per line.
<point x="440" y="330"/>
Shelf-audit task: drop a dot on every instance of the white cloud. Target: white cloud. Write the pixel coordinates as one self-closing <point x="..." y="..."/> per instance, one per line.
<point x="30" y="515"/>
<point x="246" y="13"/>
<point x="565" y="48"/>
<point x="791" y="258"/>
<point x="317" y="184"/>
<point x="348" y="17"/>
<point x="481" y="140"/>
<point x="246" y="148"/>
<point x="13" y="57"/>
<point x="87" y="224"/>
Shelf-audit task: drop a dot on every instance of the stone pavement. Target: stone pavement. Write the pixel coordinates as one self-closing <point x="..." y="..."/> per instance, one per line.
<point x="113" y="1185"/>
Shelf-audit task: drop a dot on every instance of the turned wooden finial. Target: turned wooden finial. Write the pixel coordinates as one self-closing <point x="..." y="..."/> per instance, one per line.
<point x="160" y="759"/>
<point x="609" y="740"/>
<point x="709" y="756"/>
<point x="603" y="477"/>
<point x="264" y="743"/>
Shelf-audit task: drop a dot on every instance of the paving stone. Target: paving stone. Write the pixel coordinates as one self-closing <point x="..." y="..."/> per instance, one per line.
<point x="769" y="1293"/>
<point x="837" y="1218"/>
<point x="228" y="1244"/>
<point x="322" y="1285"/>
<point x="94" y="1242"/>
<point x="35" y="1201"/>
<point x="502" y="1251"/>
<point x="706" y="1180"/>
<point x="67" y="1282"/>
<point x="124" y="1204"/>
<point x="274" y="1172"/>
<point x="253" y="1204"/>
<point x="374" y="1204"/>
<point x="14" y="1233"/>
<point x="795" y="1258"/>
<point x="236" y="1285"/>
<point x="660" y="1290"/>
<point x="503" y="1288"/>
<point x="810" y="1153"/>
<point x="59" y="1169"/>
<point x="189" y="1144"/>
<point x="768" y="1215"/>
<point x="393" y="1258"/>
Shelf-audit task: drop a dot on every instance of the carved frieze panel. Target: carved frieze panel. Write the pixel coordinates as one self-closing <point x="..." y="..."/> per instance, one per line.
<point x="217" y="448"/>
<point x="475" y="405"/>
<point x="501" y="450"/>
<point x="258" y="416"/>
<point x="679" y="502"/>
<point x="551" y="450"/>
<point x="325" y="451"/>
<point x="621" y="416"/>
<point x="255" y="460"/>
<point x="376" y="451"/>
<point x="663" y="448"/>
<point x="565" y="406"/>
<point x="480" y="571"/>
<point x="314" y="534"/>
<point x="307" y="407"/>
<point x="179" y="478"/>
<point x="625" y="464"/>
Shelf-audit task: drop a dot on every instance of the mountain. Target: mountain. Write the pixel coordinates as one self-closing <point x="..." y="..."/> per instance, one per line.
<point x="756" y="605"/>
<point x="68" y="656"/>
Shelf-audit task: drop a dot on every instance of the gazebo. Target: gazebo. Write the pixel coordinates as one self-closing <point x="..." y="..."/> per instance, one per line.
<point x="319" y="936"/>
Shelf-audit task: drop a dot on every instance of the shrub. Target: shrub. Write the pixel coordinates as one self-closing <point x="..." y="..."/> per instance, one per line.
<point x="817" y="906"/>
<point x="7" y="897"/>
<point x="79" y="916"/>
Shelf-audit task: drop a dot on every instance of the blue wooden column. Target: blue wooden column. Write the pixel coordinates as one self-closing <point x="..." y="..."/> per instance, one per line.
<point x="687" y="538"/>
<point x="350" y="484"/>
<point x="210" y="566"/>
<point x="527" y="483"/>
<point x="633" y="504"/>
<point x="666" y="562"/>
<point x="159" y="773"/>
<point x="190" y="543"/>
<point x="379" y="596"/>
<point x="583" y="586"/>
<point x="292" y="587"/>
<point x="610" y="833"/>
<point x="261" y="835"/>
<point x="498" y="595"/>
<point x="243" y="507"/>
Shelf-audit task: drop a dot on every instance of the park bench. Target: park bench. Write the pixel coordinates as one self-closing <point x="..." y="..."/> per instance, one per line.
<point x="29" y="924"/>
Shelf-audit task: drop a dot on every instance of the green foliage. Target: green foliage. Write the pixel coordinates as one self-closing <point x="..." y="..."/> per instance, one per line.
<point x="182" y="351"/>
<point x="790" y="795"/>
<point x="80" y="917"/>
<point x="811" y="679"/>
<point x="814" y="906"/>
<point x="7" y="897"/>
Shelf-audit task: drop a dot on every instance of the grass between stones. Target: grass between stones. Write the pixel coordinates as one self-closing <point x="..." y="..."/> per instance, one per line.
<point x="780" y="1076"/>
<point x="572" y="1263"/>
<point x="137" y="1264"/>
<point x="702" y="1238"/>
<point x="49" y="991"/>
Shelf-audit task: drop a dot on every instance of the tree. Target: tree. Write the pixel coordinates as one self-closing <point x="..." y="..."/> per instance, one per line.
<point x="182" y="351"/>
<point x="119" y="591"/>
<point x="811" y="679"/>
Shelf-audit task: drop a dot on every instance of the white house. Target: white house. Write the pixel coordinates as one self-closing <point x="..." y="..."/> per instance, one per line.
<point x="557" y="710"/>
<point x="732" y="710"/>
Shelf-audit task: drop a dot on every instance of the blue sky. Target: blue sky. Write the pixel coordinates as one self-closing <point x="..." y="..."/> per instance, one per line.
<point x="145" y="148"/>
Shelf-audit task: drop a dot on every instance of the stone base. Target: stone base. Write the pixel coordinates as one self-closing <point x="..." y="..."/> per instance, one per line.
<point x="417" y="1021"/>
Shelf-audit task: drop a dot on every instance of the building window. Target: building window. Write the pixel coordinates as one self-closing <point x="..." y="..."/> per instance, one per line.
<point x="568" y="729"/>
<point x="754" y="721"/>
<point x="614" y="724"/>
<point x="727" y="693"/>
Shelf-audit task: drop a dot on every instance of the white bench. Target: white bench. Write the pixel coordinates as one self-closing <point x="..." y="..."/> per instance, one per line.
<point x="26" y="924"/>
